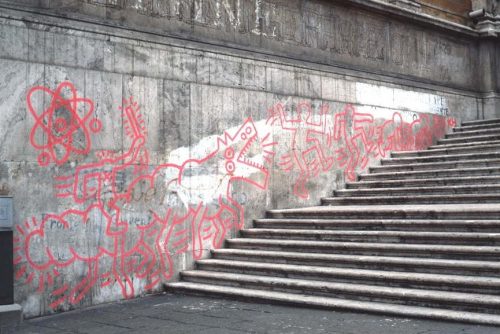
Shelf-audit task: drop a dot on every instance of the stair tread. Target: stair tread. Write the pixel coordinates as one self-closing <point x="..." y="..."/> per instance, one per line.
<point x="379" y="222"/>
<point x="476" y="127"/>
<point x="437" y="179"/>
<point x="475" y="131"/>
<point x="364" y="258"/>
<point x="444" y="156"/>
<point x="476" y="207"/>
<point x="370" y="245"/>
<point x="478" y="235"/>
<point x="439" y="163"/>
<point x="449" y="170"/>
<point x="463" y="145"/>
<point x="386" y="274"/>
<point x="446" y="187"/>
<point x="443" y="151"/>
<point x="338" y="303"/>
<point x="464" y="297"/>
<point x="468" y="138"/>
<point x="417" y="196"/>
<point x="480" y="121"/>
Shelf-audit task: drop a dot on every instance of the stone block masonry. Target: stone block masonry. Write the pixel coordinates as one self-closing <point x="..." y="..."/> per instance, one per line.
<point x="130" y="153"/>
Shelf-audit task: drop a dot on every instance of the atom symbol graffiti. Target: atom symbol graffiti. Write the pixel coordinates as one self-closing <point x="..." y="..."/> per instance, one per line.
<point x="64" y="126"/>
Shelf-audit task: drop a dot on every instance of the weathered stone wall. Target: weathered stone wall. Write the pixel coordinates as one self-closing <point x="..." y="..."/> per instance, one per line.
<point x="451" y="10"/>
<point x="130" y="154"/>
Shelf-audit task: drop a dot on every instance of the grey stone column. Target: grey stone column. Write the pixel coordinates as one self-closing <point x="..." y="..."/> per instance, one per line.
<point x="486" y="17"/>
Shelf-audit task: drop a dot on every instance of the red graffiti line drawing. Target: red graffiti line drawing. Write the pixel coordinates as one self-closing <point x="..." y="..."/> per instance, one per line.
<point x="59" y="129"/>
<point x="100" y="185"/>
<point x="127" y="230"/>
<point x="318" y="139"/>
<point x="236" y="152"/>
<point x="348" y="141"/>
<point x="358" y="142"/>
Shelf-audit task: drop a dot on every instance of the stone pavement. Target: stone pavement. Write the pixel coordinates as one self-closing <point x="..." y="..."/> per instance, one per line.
<point x="175" y="314"/>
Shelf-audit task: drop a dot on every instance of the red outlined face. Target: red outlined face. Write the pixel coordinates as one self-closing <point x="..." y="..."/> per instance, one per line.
<point x="245" y="154"/>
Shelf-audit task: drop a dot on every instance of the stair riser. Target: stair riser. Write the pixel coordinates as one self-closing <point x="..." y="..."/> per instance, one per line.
<point x="423" y="167"/>
<point x="468" y="139"/>
<point x="476" y="127"/>
<point x="450" y="158"/>
<point x="423" y="183"/>
<point x="429" y="191"/>
<point x="430" y="174"/>
<point x="401" y="200"/>
<point x="341" y="293"/>
<point x="374" y="226"/>
<point x="478" y="132"/>
<point x="349" y="250"/>
<point x="435" y="152"/>
<point x="366" y="238"/>
<point x="480" y="122"/>
<point x="475" y="144"/>
<point x="376" y="214"/>
<point x="359" y="264"/>
<point x="348" y="278"/>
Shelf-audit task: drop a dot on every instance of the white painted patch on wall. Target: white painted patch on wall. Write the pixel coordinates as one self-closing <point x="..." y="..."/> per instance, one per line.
<point x="400" y="99"/>
<point x="206" y="182"/>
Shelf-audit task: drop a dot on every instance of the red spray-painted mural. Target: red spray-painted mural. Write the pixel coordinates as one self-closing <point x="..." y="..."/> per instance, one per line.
<point x="122" y="229"/>
<point x="111" y="244"/>
<point x="348" y="141"/>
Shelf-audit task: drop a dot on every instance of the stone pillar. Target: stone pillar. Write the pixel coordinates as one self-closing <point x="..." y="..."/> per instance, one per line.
<point x="486" y="17"/>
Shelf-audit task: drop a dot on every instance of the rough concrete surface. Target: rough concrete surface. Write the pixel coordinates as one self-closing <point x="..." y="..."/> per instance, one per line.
<point x="172" y="314"/>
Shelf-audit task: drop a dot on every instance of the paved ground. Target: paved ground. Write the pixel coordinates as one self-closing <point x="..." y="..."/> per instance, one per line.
<point x="172" y="314"/>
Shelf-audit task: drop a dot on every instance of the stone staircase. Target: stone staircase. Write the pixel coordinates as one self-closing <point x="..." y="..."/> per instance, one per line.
<point x="418" y="235"/>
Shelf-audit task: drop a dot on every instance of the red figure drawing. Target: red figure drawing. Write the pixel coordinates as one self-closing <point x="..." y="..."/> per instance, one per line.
<point x="355" y="130"/>
<point x="62" y="123"/>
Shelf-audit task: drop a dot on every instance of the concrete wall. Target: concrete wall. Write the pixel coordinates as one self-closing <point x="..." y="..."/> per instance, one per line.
<point x="131" y="154"/>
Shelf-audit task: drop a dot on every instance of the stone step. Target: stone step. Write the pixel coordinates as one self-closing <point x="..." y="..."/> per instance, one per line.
<point x="448" y="151"/>
<point x="440" y="158"/>
<point x="412" y="237"/>
<point x="483" y="253"/>
<point x="333" y="303"/>
<point x="431" y="182"/>
<point x="474" y="132"/>
<point x="481" y="122"/>
<point x="476" y="127"/>
<point x="469" y="139"/>
<point x="369" y="224"/>
<point x="438" y="211"/>
<point x="459" y="283"/>
<point x="436" y="165"/>
<point x="432" y="173"/>
<point x="471" y="302"/>
<point x="416" y="191"/>
<point x="476" y="144"/>
<point x="408" y="264"/>
<point x="413" y="199"/>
